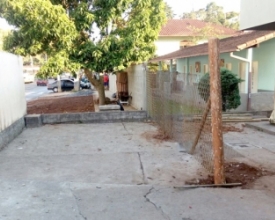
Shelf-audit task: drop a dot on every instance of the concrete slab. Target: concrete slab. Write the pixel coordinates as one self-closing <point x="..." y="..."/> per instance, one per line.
<point x="37" y="200"/>
<point x="117" y="171"/>
<point x="263" y="126"/>
<point x="253" y="137"/>
<point x="214" y="204"/>
<point x="121" y="202"/>
<point x="260" y="150"/>
<point x="33" y="121"/>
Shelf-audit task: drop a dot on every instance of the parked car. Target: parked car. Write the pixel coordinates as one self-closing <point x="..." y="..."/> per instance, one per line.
<point x="66" y="85"/>
<point x="41" y="82"/>
<point x="85" y="84"/>
<point x="28" y="78"/>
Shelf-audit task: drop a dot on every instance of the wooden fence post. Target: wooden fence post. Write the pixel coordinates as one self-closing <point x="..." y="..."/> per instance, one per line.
<point x="216" y="110"/>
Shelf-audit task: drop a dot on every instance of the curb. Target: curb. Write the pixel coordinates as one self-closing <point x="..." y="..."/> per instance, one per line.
<point x="87" y="117"/>
<point x="259" y="128"/>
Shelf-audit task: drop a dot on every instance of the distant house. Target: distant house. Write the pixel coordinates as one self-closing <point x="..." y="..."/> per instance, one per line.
<point x="236" y="53"/>
<point x="175" y="34"/>
<point x="179" y="33"/>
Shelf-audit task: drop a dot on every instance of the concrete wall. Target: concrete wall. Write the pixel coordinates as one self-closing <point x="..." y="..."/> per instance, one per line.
<point x="265" y="55"/>
<point x="256" y="12"/>
<point x="262" y="101"/>
<point x="137" y="86"/>
<point x="12" y="97"/>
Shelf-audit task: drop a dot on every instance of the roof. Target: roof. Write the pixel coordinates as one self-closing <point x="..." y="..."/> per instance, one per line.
<point x="240" y="41"/>
<point x="188" y="27"/>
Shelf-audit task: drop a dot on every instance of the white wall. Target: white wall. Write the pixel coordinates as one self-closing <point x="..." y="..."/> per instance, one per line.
<point x="165" y="45"/>
<point x="256" y="12"/>
<point x="112" y="83"/>
<point x="12" y="90"/>
<point x="137" y="86"/>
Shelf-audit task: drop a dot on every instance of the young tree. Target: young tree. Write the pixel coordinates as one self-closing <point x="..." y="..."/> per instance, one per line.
<point x="215" y="14"/>
<point x="94" y="35"/>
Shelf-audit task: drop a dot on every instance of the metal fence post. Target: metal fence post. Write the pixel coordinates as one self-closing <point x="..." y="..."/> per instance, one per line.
<point x="216" y="111"/>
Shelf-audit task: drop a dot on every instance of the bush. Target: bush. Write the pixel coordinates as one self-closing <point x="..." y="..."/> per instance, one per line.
<point x="230" y="90"/>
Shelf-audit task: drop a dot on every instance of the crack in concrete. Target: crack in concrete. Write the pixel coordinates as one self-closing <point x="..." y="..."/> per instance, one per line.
<point x="125" y="128"/>
<point x="142" y="168"/>
<point x="157" y="207"/>
<point x="76" y="199"/>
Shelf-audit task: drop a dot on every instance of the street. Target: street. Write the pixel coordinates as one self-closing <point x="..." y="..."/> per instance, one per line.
<point x="32" y="91"/>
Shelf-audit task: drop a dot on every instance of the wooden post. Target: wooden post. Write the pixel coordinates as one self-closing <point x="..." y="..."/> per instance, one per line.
<point x="216" y="110"/>
<point x="203" y="120"/>
<point x="171" y="66"/>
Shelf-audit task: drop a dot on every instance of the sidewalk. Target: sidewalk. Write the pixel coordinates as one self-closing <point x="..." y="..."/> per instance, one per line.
<point x="119" y="172"/>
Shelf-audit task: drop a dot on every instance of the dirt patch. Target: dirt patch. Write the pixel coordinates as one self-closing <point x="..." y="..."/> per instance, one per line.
<point x="61" y="105"/>
<point x="156" y="136"/>
<point x="236" y="173"/>
<point x="231" y="128"/>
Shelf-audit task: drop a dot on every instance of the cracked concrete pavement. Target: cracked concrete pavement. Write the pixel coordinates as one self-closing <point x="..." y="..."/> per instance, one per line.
<point x="114" y="171"/>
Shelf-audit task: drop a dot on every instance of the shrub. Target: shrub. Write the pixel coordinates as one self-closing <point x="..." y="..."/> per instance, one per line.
<point x="230" y="89"/>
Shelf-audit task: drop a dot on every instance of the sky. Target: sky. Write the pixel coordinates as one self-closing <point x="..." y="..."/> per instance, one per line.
<point x="180" y="6"/>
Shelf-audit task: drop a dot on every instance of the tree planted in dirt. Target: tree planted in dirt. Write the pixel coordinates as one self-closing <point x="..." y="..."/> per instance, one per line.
<point x="94" y="35"/>
<point x="230" y="89"/>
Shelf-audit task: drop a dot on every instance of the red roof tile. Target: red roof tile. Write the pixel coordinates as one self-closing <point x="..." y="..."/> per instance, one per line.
<point x="240" y="41"/>
<point x="188" y="27"/>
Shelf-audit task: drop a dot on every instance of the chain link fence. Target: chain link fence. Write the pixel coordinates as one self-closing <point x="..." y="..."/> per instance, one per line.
<point x="177" y="106"/>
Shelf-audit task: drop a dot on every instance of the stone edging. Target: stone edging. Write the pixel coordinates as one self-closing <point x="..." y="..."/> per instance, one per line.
<point x="11" y="132"/>
<point x="86" y="117"/>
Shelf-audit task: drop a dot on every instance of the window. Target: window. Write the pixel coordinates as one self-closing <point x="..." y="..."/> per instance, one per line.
<point x="228" y="66"/>
<point x="191" y="69"/>
<point x="198" y="67"/>
<point x="184" y="69"/>
<point x="221" y="62"/>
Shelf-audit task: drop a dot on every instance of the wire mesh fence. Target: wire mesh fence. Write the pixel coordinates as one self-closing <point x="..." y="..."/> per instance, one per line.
<point x="178" y="103"/>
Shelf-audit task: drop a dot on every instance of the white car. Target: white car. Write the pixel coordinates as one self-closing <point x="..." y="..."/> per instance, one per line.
<point x="28" y="78"/>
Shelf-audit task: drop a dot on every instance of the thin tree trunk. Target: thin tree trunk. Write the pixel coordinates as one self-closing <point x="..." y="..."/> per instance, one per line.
<point x="98" y="84"/>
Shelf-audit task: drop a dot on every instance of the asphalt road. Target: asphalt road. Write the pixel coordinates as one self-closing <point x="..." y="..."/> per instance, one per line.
<point x="32" y="91"/>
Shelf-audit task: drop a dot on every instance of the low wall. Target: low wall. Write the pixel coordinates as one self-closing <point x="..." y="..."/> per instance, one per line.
<point x="88" y="117"/>
<point x="262" y="101"/>
<point x="11" y="132"/>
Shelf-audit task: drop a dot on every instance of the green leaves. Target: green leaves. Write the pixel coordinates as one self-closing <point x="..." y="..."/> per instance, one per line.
<point x="230" y="89"/>
<point x="99" y="35"/>
<point x="57" y="64"/>
<point x="40" y="27"/>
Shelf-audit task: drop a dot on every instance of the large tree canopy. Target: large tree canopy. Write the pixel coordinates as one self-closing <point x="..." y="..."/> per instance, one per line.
<point x="215" y="14"/>
<point x="97" y="35"/>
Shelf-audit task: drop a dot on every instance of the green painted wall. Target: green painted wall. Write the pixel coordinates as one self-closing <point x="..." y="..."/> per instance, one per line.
<point x="265" y="55"/>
